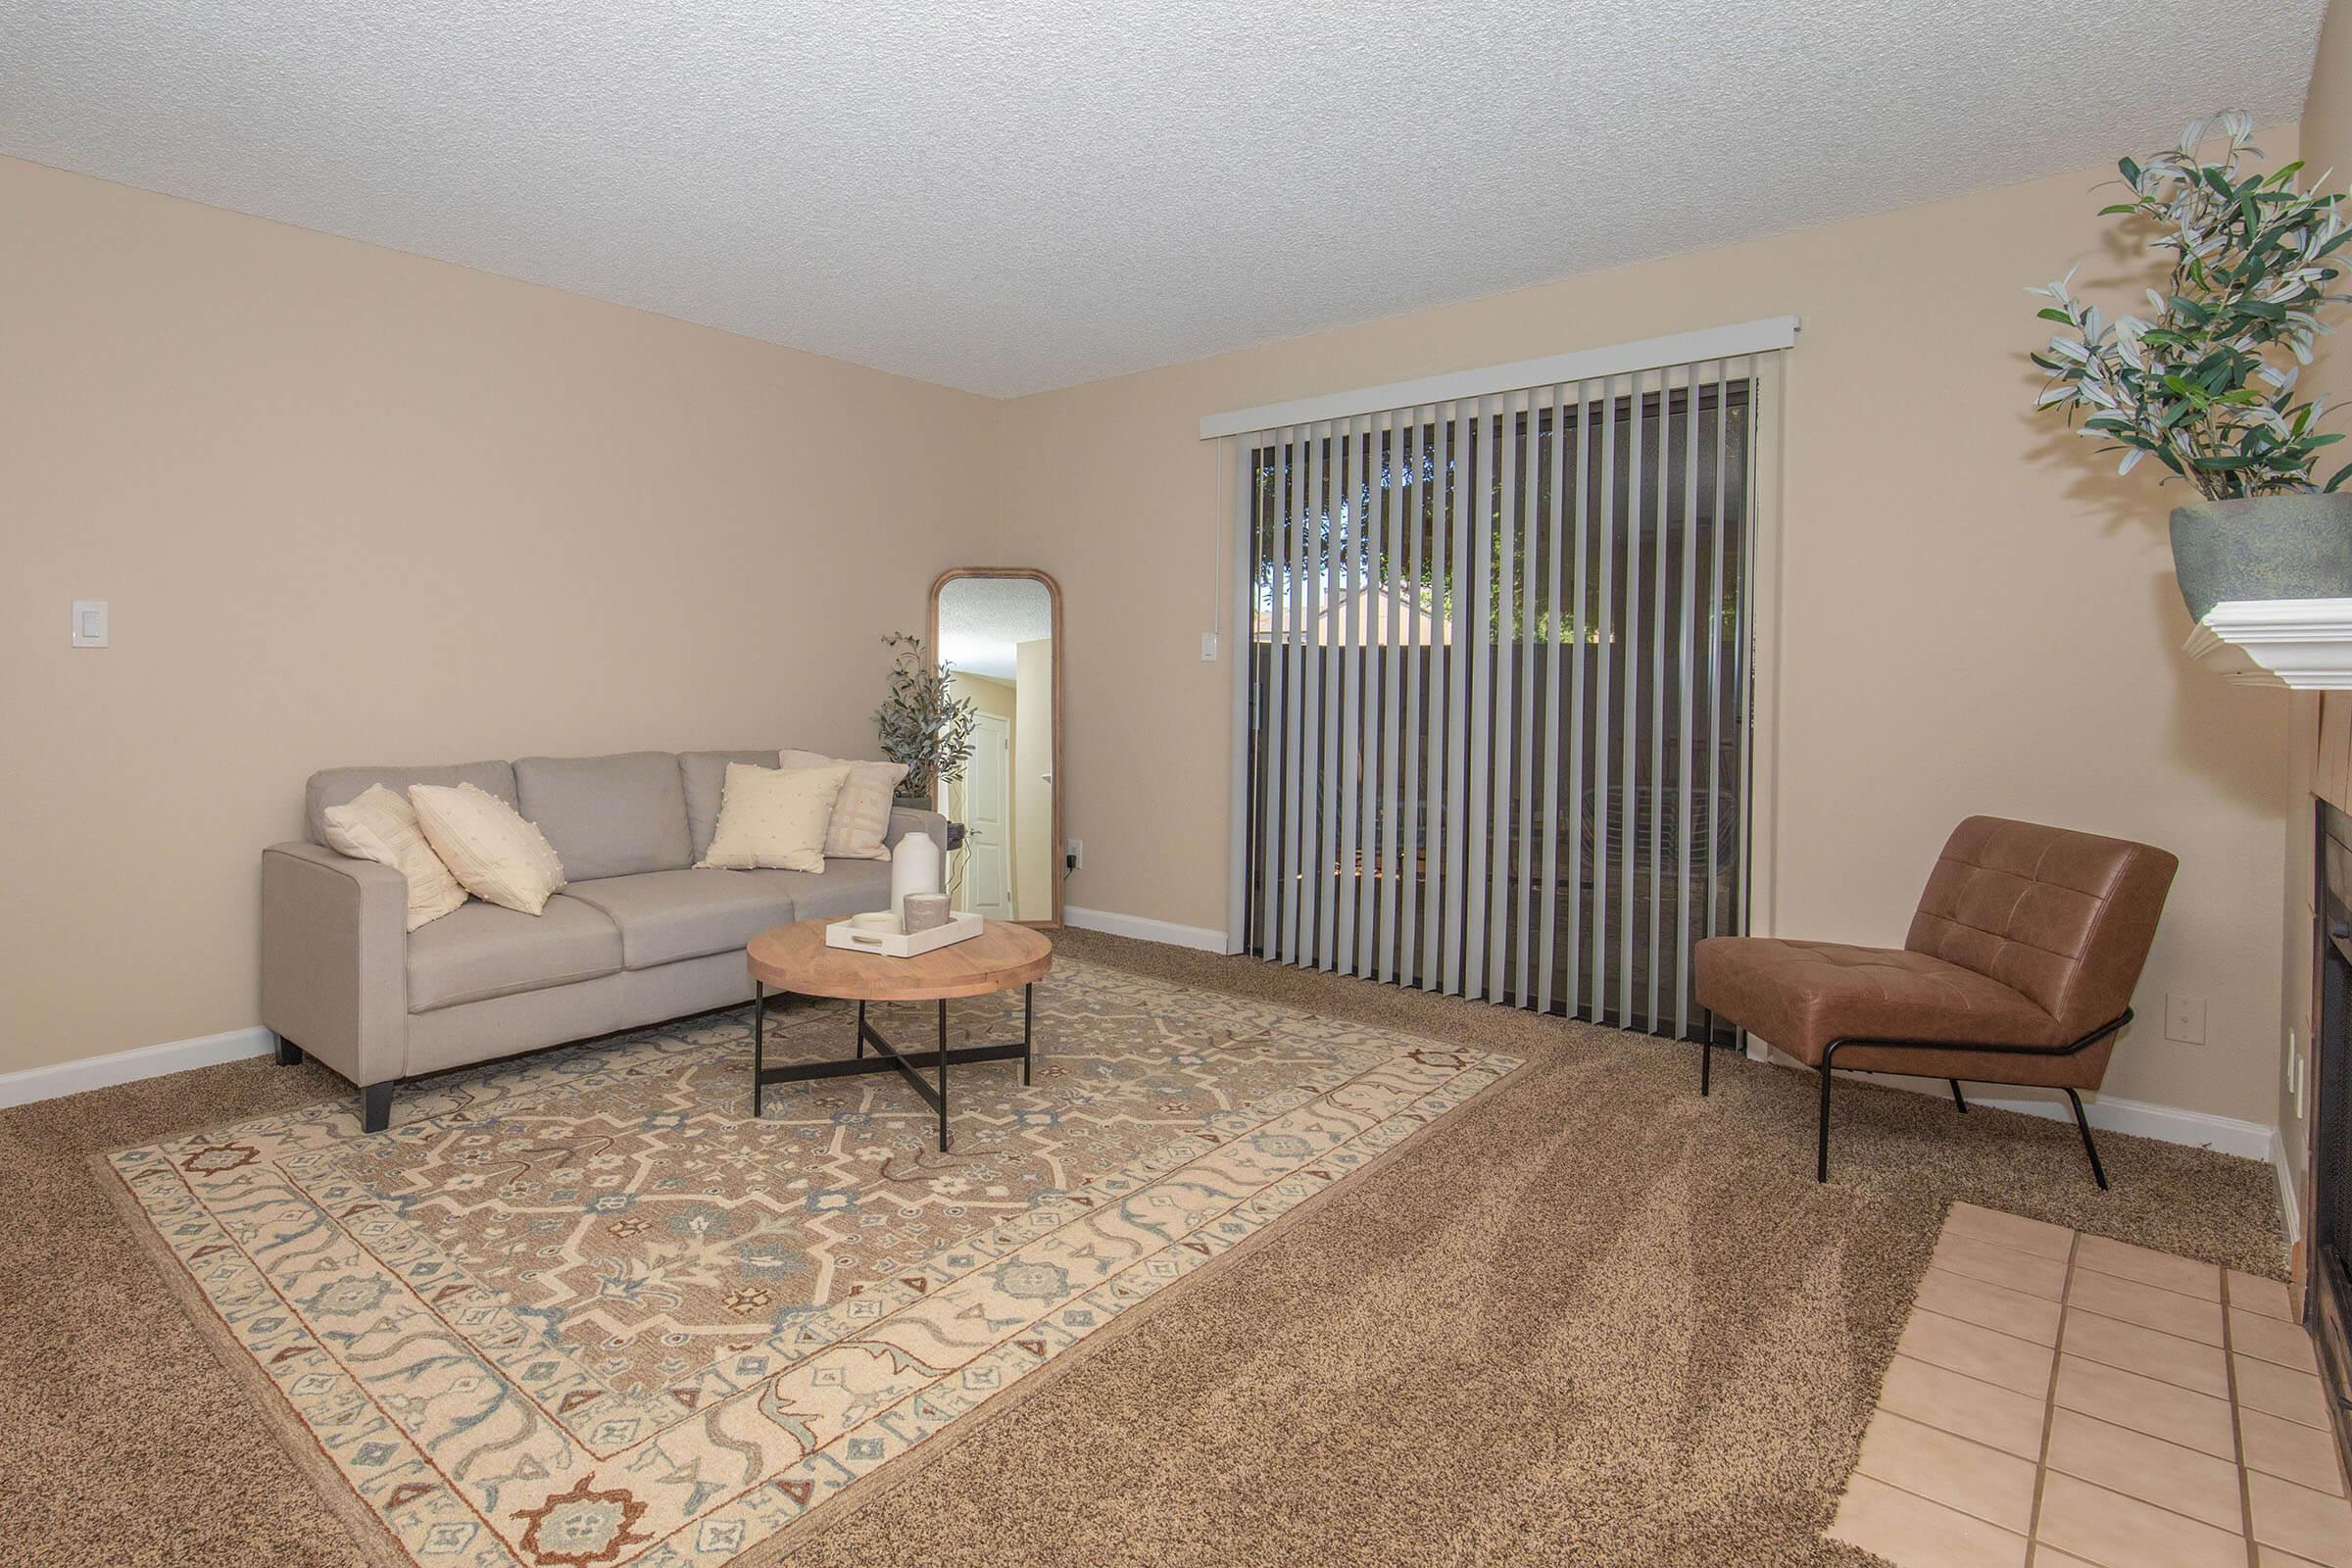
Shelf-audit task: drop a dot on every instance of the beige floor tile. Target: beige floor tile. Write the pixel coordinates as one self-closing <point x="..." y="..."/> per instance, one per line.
<point x="2118" y="1532"/>
<point x="2147" y="1405"/>
<point x="2258" y="1295"/>
<point x="1989" y="1306"/>
<point x="2161" y="1269"/>
<point x="2280" y="1390"/>
<point x="2168" y="1357"/>
<point x="1980" y="1353"/>
<point x="2147" y="1468"/>
<point x="2305" y="1456"/>
<point x="1936" y="1396"/>
<point x="1961" y="1253"/>
<point x="2273" y="1340"/>
<point x="2038" y="1236"/>
<point x="2273" y="1557"/>
<point x="2310" y="1524"/>
<point x="2150" y="1306"/>
<point x="1912" y="1532"/>
<point x="1994" y="1487"/>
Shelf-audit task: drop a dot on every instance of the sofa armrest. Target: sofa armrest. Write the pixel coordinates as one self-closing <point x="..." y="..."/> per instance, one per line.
<point x="335" y="958"/>
<point x="905" y="820"/>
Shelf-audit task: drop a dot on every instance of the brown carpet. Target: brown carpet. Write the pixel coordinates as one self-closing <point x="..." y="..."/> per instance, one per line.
<point x="1591" y="1318"/>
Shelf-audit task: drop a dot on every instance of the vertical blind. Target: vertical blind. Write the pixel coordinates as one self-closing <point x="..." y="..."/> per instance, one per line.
<point x="1497" y="704"/>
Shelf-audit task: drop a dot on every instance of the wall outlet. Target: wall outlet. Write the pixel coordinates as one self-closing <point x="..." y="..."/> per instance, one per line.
<point x="2184" y="1018"/>
<point x="1073" y="854"/>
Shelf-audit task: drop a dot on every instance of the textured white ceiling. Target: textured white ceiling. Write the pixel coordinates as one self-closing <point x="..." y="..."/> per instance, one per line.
<point x="981" y="619"/>
<point x="1013" y="197"/>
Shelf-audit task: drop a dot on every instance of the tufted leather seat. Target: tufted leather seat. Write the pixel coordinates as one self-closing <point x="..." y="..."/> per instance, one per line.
<point x="2026" y="936"/>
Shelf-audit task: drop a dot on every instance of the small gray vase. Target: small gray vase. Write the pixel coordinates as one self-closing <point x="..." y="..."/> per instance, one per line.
<point x="2263" y="547"/>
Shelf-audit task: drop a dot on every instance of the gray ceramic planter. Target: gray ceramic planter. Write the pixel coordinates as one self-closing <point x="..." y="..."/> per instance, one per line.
<point x="2263" y="547"/>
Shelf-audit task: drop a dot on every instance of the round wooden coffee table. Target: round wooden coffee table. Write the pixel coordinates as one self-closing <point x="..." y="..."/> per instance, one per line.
<point x="794" y="958"/>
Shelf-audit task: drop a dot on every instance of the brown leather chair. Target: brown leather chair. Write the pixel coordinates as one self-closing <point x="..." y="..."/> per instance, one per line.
<point x="2019" y="969"/>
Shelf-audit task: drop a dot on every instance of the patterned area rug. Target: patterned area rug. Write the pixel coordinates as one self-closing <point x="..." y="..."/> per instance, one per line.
<point x="581" y="1309"/>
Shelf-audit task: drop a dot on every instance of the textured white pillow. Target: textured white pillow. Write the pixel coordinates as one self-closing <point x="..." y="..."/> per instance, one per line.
<point x="381" y="826"/>
<point x="774" y="818"/>
<point x="861" y="811"/>
<point x="487" y="846"/>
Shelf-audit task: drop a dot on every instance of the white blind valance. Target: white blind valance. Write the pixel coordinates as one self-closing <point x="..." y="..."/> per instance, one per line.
<point x="1760" y="336"/>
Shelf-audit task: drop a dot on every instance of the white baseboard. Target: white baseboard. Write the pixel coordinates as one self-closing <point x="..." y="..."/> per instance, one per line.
<point x="2288" y="1205"/>
<point x="128" y="1067"/>
<point x="1143" y="930"/>
<point x="2111" y="1113"/>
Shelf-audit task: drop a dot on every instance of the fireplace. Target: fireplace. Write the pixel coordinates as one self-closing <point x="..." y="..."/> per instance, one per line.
<point x="2327" y="1312"/>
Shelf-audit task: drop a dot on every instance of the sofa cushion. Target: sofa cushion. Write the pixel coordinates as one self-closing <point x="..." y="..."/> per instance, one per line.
<point x="667" y="915"/>
<point x="340" y="786"/>
<point x="845" y="888"/>
<point x="481" y="950"/>
<point x="705" y="775"/>
<point x="608" y="815"/>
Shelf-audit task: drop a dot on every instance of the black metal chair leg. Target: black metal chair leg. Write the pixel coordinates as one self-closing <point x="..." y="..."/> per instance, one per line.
<point x="2098" y="1172"/>
<point x="1956" y="1099"/>
<point x="1821" y="1163"/>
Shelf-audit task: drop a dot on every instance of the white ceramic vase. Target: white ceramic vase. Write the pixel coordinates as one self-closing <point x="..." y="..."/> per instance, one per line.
<point x="916" y="867"/>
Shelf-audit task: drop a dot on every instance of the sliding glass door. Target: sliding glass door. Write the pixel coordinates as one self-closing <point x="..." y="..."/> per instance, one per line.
<point x="1497" y="703"/>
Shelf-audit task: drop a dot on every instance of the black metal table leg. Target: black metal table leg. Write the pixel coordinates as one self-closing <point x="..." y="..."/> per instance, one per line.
<point x="943" y="1075"/>
<point x="885" y="1057"/>
<point x="1956" y="1099"/>
<point x="1028" y="1029"/>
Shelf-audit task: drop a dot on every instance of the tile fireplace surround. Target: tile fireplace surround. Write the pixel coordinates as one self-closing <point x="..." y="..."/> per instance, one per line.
<point x="2069" y="1401"/>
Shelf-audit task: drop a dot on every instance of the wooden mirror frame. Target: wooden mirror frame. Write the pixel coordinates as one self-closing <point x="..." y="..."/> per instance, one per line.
<point x="938" y="795"/>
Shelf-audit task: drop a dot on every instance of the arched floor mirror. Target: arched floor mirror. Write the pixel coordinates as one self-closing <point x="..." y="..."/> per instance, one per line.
<point x="996" y="630"/>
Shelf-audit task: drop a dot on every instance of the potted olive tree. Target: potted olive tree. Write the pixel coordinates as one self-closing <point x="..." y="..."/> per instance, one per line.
<point x="2205" y="383"/>
<point x="923" y="723"/>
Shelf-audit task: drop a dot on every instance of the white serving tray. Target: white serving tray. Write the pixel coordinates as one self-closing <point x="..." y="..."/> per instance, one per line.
<point x="898" y="944"/>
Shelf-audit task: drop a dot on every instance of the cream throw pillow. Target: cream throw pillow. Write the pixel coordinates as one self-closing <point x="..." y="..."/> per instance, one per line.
<point x="861" y="811"/>
<point x="380" y="826"/>
<point x="774" y="818"/>
<point x="487" y="846"/>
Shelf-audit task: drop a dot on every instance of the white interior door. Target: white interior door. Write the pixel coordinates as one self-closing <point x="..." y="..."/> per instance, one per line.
<point x="988" y="820"/>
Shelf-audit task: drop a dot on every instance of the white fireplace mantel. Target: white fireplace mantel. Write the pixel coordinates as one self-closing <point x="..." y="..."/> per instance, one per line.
<point x="2302" y="643"/>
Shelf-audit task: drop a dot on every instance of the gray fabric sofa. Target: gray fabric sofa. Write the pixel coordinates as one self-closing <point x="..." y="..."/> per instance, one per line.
<point x="638" y="936"/>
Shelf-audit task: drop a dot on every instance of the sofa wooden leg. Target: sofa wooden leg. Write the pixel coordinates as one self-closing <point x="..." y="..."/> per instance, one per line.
<point x="377" y="1109"/>
<point x="289" y="1054"/>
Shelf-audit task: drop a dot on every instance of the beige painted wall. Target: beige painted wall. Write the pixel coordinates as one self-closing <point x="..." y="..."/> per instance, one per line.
<point x="1032" y="787"/>
<point x="351" y="506"/>
<point x="2327" y="146"/>
<point x="1975" y="616"/>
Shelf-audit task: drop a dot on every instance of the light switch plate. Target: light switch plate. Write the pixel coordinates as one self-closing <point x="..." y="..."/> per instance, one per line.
<point x="1208" y="647"/>
<point x="2184" y="1018"/>
<point x="89" y="627"/>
